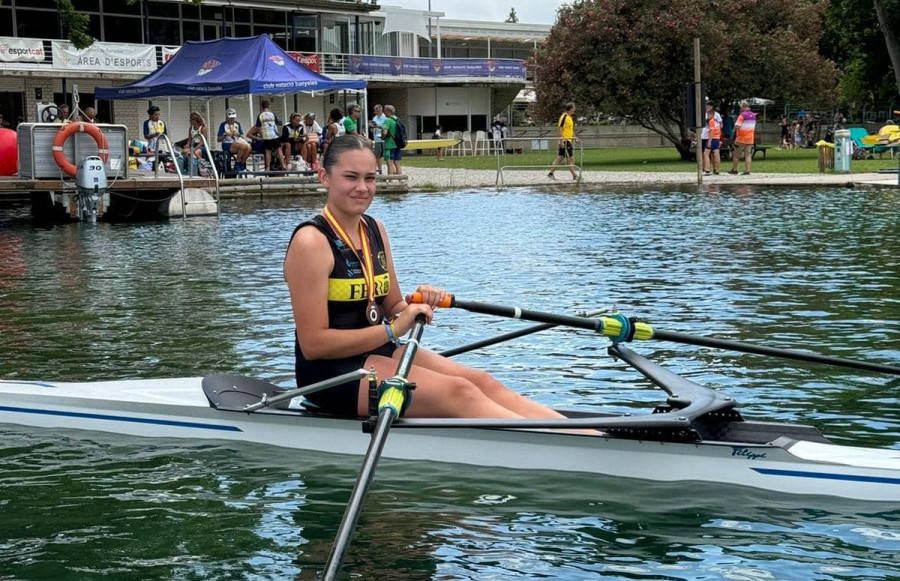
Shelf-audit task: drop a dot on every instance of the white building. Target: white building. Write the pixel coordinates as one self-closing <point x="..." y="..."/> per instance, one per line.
<point x="458" y="73"/>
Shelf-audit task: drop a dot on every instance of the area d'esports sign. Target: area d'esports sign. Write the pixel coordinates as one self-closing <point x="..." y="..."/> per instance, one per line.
<point x="104" y="57"/>
<point x="386" y="65"/>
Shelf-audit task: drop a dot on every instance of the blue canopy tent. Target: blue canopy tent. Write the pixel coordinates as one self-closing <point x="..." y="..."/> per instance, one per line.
<point x="226" y="67"/>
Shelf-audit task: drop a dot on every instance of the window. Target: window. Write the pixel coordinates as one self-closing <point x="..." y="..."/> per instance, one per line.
<point x="37" y="24"/>
<point x="6" y="25"/>
<point x="121" y="29"/>
<point x="164" y="32"/>
<point x="121" y="7"/>
<point x="190" y="12"/>
<point x="86" y="5"/>
<point x="51" y="4"/>
<point x="166" y="9"/>
<point x="269" y="17"/>
<point x="191" y="31"/>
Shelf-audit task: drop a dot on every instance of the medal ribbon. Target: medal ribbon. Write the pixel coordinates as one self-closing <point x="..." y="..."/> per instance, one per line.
<point x="365" y="263"/>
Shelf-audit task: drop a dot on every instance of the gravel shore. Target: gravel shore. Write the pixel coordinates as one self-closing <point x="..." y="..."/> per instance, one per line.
<point x="443" y="179"/>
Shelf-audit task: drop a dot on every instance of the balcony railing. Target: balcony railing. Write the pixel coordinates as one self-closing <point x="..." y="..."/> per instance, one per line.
<point x="39" y="55"/>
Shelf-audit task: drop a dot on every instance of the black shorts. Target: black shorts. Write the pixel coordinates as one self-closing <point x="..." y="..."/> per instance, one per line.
<point x="565" y="150"/>
<point x="341" y="399"/>
<point x="271" y="143"/>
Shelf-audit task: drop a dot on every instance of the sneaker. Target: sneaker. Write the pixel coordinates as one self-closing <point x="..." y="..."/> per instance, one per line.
<point x="746" y="173"/>
<point x="706" y="173"/>
<point x="715" y="173"/>
<point x="574" y="177"/>
<point x="551" y="176"/>
<point x="733" y="172"/>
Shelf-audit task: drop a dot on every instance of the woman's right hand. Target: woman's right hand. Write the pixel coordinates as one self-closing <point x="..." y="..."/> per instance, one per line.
<point x="407" y="317"/>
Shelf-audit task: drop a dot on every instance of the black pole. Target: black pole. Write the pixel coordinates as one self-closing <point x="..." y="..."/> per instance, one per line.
<point x="386" y="417"/>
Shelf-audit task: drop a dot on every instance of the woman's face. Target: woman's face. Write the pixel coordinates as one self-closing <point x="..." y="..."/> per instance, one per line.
<point x="351" y="181"/>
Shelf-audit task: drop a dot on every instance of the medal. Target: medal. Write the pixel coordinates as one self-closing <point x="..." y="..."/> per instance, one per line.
<point x="374" y="313"/>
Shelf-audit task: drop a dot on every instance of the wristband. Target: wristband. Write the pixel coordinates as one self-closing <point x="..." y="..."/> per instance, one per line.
<point x="389" y="329"/>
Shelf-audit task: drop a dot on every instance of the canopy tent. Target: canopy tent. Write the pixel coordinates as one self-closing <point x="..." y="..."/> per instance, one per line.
<point x="225" y="67"/>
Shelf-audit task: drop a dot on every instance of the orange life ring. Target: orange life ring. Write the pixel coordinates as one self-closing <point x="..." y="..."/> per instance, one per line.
<point x="70" y="129"/>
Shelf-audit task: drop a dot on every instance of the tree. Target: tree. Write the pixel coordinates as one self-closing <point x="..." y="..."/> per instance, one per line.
<point x="887" y="20"/>
<point x="512" y="16"/>
<point x="853" y="39"/>
<point x="633" y="58"/>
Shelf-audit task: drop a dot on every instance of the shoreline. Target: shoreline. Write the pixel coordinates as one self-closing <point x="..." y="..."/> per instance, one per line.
<point x="448" y="179"/>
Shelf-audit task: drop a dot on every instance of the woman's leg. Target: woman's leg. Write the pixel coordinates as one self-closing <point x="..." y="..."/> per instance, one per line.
<point x="436" y="394"/>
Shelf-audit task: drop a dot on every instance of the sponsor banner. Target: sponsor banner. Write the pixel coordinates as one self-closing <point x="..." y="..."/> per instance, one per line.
<point x="308" y="60"/>
<point x="104" y="57"/>
<point x="21" y="50"/>
<point x="168" y="53"/>
<point x="386" y="65"/>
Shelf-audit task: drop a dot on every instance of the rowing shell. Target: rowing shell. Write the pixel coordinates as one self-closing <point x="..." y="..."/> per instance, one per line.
<point x="704" y="440"/>
<point x="430" y="143"/>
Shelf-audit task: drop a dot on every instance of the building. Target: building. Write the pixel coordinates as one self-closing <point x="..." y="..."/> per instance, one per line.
<point x="460" y="73"/>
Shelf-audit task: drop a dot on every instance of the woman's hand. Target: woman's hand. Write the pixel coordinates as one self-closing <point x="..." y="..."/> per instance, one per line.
<point x="431" y="296"/>
<point x="407" y="317"/>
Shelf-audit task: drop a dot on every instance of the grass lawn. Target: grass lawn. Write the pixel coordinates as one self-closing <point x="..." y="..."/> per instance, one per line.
<point x="660" y="159"/>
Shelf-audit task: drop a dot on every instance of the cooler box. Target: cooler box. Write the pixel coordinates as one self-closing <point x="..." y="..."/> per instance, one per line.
<point x="35" y="146"/>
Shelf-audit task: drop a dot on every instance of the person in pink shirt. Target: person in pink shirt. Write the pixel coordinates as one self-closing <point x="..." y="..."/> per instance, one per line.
<point x="745" y="130"/>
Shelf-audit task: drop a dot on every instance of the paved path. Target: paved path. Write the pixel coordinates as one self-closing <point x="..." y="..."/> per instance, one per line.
<point x="442" y="178"/>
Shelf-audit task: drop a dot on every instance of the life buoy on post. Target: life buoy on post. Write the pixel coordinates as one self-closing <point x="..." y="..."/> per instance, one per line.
<point x="70" y="129"/>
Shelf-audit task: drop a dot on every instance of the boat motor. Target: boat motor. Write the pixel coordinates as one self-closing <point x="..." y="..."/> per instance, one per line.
<point x="90" y="183"/>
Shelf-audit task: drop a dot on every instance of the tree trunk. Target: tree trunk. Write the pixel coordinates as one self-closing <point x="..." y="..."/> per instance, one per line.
<point x="890" y="39"/>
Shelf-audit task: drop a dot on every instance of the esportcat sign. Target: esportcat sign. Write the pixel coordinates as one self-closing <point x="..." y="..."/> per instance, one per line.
<point x="21" y="50"/>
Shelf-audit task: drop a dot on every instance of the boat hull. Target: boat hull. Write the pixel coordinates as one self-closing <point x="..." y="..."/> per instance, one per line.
<point x="177" y="408"/>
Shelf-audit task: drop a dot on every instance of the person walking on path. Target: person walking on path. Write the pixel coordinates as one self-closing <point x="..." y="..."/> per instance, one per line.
<point x="705" y="137"/>
<point x="566" y="126"/>
<point x="711" y="154"/>
<point x="745" y="133"/>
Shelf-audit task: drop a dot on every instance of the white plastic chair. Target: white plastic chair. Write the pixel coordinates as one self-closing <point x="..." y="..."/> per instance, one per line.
<point x="481" y="143"/>
<point x="466" y="145"/>
<point x="454" y="149"/>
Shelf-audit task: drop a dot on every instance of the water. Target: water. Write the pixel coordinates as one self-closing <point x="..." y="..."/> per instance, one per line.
<point x="808" y="269"/>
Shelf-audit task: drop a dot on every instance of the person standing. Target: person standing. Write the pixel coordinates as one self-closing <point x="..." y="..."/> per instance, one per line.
<point x="154" y="127"/>
<point x="392" y="153"/>
<point x="566" y="126"/>
<point x="376" y="124"/>
<point x="785" y="129"/>
<point x="704" y="136"/>
<point x="745" y="134"/>
<point x="333" y="255"/>
<point x="711" y="153"/>
<point x="268" y="131"/>
<point x="231" y="136"/>
<point x="439" y="134"/>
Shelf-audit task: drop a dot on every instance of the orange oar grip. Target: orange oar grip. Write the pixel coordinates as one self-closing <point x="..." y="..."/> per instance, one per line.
<point x="446" y="302"/>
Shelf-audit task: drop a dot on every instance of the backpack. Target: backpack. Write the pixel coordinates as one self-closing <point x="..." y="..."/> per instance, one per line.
<point x="400" y="137"/>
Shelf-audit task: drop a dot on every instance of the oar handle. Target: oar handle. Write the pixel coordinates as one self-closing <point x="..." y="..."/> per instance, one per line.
<point x="447" y="302"/>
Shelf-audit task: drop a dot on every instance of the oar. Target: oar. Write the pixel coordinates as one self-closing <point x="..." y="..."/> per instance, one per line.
<point x="619" y="329"/>
<point x="507" y="336"/>
<point x="394" y="394"/>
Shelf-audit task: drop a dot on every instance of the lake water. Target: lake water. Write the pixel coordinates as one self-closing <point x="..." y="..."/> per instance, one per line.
<point x="795" y="268"/>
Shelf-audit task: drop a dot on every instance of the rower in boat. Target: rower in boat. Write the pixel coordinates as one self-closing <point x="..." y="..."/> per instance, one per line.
<point x="349" y="311"/>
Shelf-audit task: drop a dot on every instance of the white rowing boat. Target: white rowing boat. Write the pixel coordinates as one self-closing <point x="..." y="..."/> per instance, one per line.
<point x="697" y="435"/>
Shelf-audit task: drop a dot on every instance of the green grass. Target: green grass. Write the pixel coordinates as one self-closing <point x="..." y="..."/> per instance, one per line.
<point x="652" y="159"/>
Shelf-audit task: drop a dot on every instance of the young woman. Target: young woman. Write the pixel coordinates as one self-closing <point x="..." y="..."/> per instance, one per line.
<point x="194" y="145"/>
<point x="328" y="261"/>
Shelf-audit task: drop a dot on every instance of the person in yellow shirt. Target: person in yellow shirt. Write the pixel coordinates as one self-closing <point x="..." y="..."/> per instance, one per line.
<point x="566" y="126"/>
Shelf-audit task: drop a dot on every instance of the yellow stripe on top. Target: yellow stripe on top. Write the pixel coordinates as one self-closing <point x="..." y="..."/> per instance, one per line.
<point x="354" y="289"/>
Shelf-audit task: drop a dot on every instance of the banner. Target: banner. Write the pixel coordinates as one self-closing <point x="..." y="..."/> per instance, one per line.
<point x="21" y="50"/>
<point x="308" y="60"/>
<point x="386" y="65"/>
<point x="104" y="57"/>
<point x="168" y="53"/>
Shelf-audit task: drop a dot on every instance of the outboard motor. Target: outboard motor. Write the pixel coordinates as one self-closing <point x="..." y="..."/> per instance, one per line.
<point x="90" y="183"/>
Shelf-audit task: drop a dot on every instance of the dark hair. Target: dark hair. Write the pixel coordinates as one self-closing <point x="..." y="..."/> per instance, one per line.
<point x="336" y="114"/>
<point x="339" y="146"/>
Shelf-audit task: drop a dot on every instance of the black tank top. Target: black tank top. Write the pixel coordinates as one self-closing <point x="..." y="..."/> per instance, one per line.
<point x="347" y="296"/>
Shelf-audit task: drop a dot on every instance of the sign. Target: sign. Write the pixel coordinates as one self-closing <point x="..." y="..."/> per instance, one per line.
<point x="21" y="50"/>
<point x="308" y="60"/>
<point x="168" y="53"/>
<point x="386" y="65"/>
<point x="104" y="57"/>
